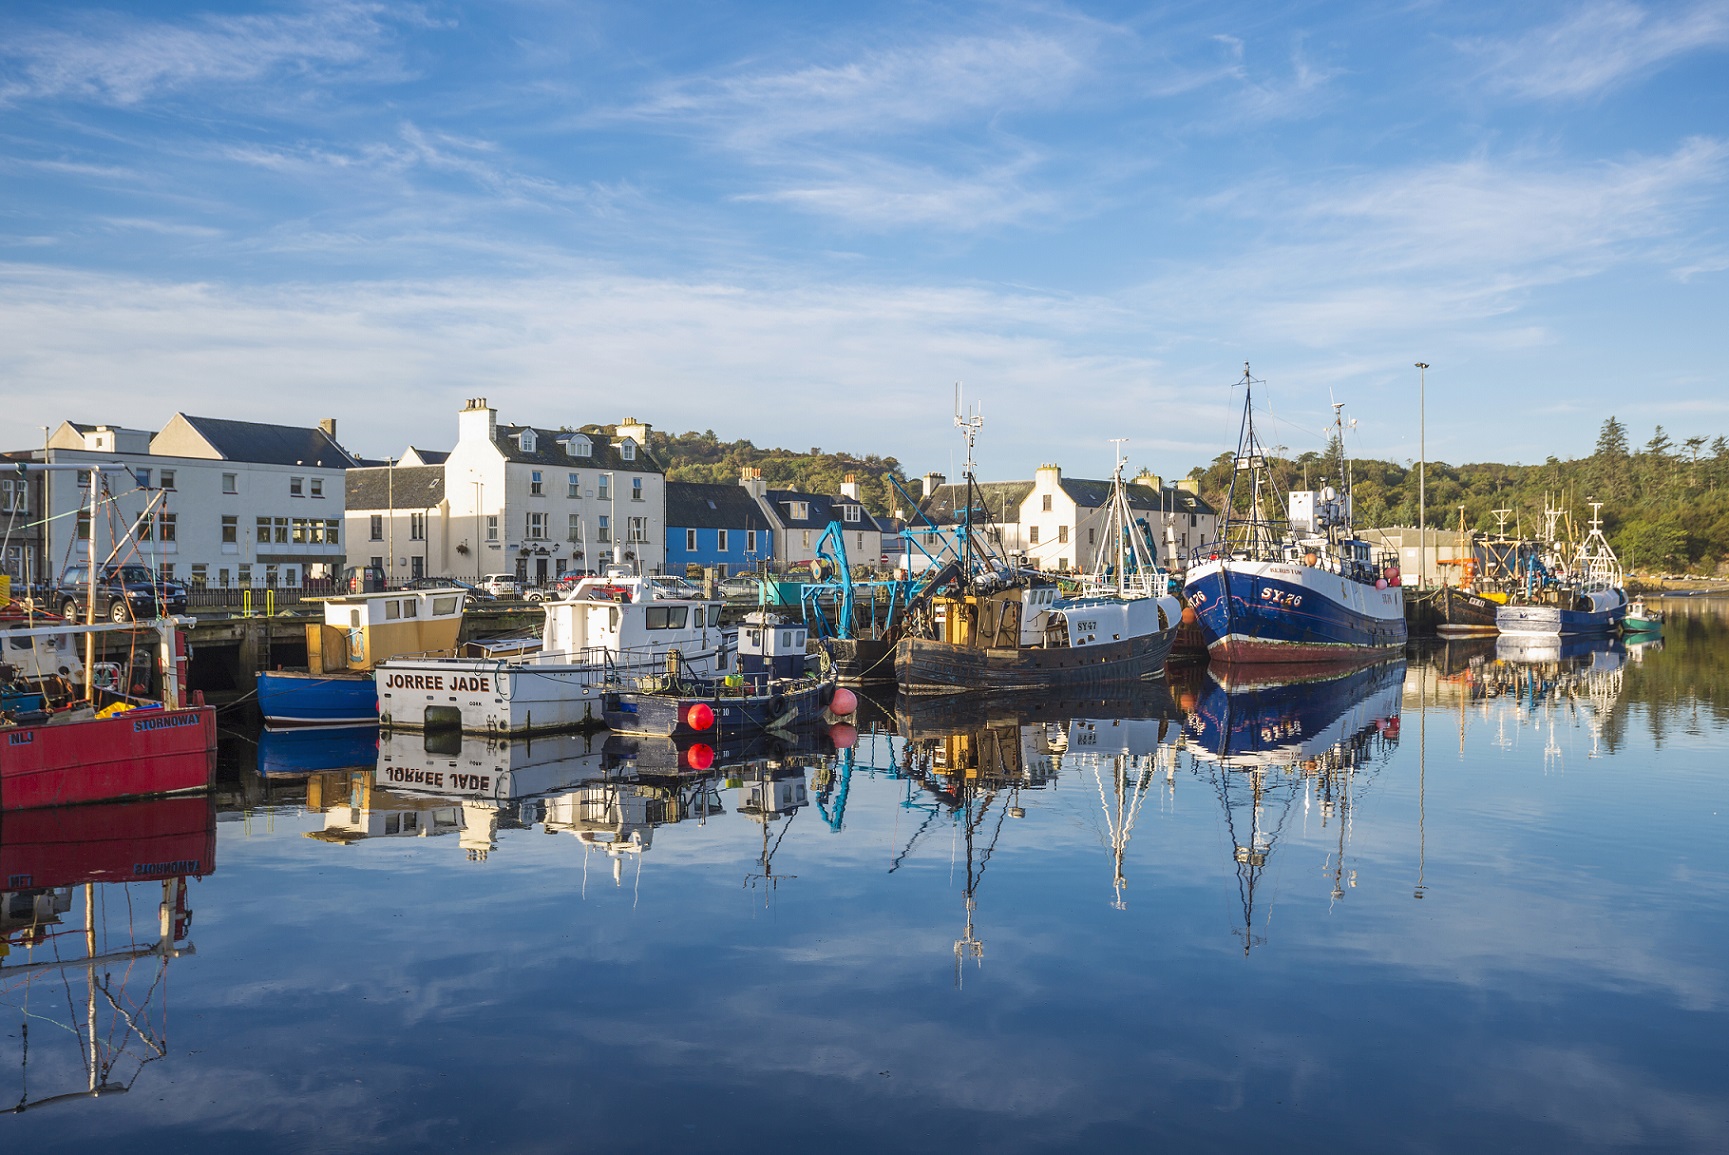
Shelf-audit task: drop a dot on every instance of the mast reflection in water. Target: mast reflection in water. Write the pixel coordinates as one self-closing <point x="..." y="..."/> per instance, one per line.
<point x="413" y="941"/>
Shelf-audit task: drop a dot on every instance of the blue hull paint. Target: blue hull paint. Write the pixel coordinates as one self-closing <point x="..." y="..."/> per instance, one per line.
<point x="317" y="699"/>
<point x="1552" y="621"/>
<point x="299" y="752"/>
<point x="1297" y="623"/>
<point x="1282" y="722"/>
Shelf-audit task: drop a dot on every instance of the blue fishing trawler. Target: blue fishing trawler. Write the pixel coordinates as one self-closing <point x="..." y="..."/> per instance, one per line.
<point x="1293" y="587"/>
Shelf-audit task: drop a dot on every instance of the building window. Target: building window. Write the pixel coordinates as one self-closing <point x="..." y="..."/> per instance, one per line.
<point x="296" y="487"/>
<point x="605" y="491"/>
<point x="1032" y="535"/>
<point x="375" y="527"/>
<point x="83" y="479"/>
<point x="1192" y="521"/>
<point x="317" y="484"/>
<point x="200" y="575"/>
<point x="270" y="576"/>
<point x="492" y="527"/>
<point x="537" y="526"/>
<point x="579" y="446"/>
<point x="222" y="577"/>
<point x="576" y="527"/>
<point x="690" y="540"/>
<point x="861" y="541"/>
<point x="1047" y="503"/>
<point x="13" y="496"/>
<point x="850" y="513"/>
<point x="142" y="476"/>
<point x="230" y="483"/>
<point x="603" y="529"/>
<point x="575" y="485"/>
<point x="170" y="527"/>
<point x="638" y="529"/>
<point x="417" y="527"/>
<point x="281" y="526"/>
<point x="720" y="540"/>
<point x="167" y="477"/>
<point x="1062" y="535"/>
<point x="807" y="539"/>
<point x="332" y="532"/>
<point x="167" y="571"/>
<point x="750" y="541"/>
<point x="416" y="566"/>
<point x="635" y="486"/>
<point x="526" y="440"/>
<point x="1090" y="532"/>
<point x="246" y="575"/>
<point x="536" y="487"/>
<point x="627" y="449"/>
<point x="799" y="510"/>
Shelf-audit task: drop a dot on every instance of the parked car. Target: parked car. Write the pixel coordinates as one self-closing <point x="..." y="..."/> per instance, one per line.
<point x="124" y="593"/>
<point x="447" y="583"/>
<point x="503" y="585"/>
<point x="740" y="586"/>
<point x="363" y="579"/>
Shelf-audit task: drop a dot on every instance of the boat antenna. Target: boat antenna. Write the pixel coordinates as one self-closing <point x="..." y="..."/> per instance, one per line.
<point x="969" y="422"/>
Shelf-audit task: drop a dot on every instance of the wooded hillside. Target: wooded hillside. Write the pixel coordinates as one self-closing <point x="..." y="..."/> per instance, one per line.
<point x="1666" y="503"/>
<point x="704" y="457"/>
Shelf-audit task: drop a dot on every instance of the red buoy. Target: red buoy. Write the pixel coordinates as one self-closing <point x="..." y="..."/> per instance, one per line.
<point x="700" y="756"/>
<point x="700" y="717"/>
<point x="844" y="701"/>
<point x="843" y="735"/>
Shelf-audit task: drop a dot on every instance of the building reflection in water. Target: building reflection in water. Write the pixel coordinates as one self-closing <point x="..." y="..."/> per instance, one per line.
<point x="84" y="959"/>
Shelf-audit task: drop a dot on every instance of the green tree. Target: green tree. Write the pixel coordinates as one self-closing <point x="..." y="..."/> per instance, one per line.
<point x="1612" y="440"/>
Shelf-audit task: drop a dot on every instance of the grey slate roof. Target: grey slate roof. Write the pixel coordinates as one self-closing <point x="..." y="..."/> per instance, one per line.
<point x="1002" y="500"/>
<point x="404" y="487"/>
<point x="1093" y="494"/>
<point x="823" y="509"/>
<point x="271" y="444"/>
<point x="699" y="505"/>
<point x="431" y="456"/>
<point x="549" y="452"/>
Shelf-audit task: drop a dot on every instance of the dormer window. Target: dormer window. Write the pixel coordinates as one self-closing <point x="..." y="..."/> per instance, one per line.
<point x="850" y="512"/>
<point x="526" y="440"/>
<point x="578" y="446"/>
<point x="799" y="510"/>
<point x="627" y="450"/>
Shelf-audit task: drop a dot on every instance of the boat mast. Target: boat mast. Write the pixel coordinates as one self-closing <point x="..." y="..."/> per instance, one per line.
<point x="969" y="423"/>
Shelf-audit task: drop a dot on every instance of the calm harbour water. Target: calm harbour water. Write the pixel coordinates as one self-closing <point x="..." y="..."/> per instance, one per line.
<point x="1463" y="902"/>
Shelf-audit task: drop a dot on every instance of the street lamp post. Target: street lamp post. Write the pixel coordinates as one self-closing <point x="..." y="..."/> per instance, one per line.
<point x="1422" y="476"/>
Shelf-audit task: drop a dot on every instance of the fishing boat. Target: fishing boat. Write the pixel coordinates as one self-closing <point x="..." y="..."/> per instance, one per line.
<point x="1642" y="619"/>
<point x="608" y="631"/>
<point x="1469" y="607"/>
<point x="65" y="743"/>
<point x="1296" y="586"/>
<point x="995" y="628"/>
<point x="1581" y="595"/>
<point x="358" y="633"/>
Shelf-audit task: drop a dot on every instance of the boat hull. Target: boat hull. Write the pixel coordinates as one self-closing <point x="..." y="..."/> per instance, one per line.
<point x="1552" y="621"/>
<point x="138" y="841"/>
<point x="296" y="698"/>
<point x="924" y="666"/>
<point x="1274" y="613"/>
<point x="1462" y="613"/>
<point x="667" y="715"/>
<point x="136" y="754"/>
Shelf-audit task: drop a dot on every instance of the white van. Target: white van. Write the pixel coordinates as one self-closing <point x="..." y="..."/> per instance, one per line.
<point x="502" y="585"/>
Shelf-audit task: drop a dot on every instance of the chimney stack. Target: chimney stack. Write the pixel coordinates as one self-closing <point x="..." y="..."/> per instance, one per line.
<point x="329" y="427"/>
<point x="477" y="421"/>
<point x="849" y="487"/>
<point x="931" y="481"/>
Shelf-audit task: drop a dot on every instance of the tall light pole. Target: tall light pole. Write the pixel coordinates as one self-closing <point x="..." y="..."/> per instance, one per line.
<point x="1422" y="476"/>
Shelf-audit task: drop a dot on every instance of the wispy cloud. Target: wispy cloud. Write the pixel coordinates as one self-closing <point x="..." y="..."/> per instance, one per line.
<point x="111" y="59"/>
<point x="1598" y="46"/>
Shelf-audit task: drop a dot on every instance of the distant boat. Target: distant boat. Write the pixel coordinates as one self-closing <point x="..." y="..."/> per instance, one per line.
<point x="1302" y="588"/>
<point x="1581" y="595"/>
<point x="1641" y="619"/>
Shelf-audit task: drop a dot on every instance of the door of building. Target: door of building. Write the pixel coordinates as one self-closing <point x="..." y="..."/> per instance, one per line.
<point x="539" y="571"/>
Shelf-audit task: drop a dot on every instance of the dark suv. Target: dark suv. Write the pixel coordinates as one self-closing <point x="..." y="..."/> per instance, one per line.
<point x="124" y="593"/>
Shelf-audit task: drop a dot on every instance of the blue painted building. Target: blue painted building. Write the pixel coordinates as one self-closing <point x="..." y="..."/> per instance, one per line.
<point x="715" y="525"/>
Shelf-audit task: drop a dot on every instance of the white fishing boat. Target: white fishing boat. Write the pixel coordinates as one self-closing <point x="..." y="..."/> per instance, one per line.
<point x="606" y="633"/>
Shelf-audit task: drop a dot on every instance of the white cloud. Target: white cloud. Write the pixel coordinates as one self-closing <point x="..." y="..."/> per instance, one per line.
<point x="1598" y="46"/>
<point x="114" y="60"/>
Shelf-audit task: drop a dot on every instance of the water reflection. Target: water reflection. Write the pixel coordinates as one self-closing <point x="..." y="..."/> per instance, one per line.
<point x="95" y="908"/>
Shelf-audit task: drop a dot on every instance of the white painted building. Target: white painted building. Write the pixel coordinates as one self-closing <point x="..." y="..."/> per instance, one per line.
<point x="800" y="519"/>
<point x="209" y="501"/>
<point x="1053" y="522"/>
<point x="513" y="499"/>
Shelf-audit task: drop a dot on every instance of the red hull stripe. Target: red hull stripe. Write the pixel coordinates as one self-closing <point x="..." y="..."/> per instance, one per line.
<point x="133" y="755"/>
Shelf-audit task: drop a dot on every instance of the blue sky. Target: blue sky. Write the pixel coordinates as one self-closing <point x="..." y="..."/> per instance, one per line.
<point x="803" y="223"/>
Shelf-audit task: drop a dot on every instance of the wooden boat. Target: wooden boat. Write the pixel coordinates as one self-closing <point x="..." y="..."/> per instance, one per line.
<point x="1460" y="611"/>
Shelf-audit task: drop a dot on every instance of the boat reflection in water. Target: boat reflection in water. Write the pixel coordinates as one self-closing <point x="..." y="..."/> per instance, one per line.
<point x="94" y="909"/>
<point x="1264" y="744"/>
<point x="299" y="751"/>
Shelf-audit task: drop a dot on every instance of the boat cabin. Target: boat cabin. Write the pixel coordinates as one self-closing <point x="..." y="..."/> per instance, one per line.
<point x="621" y="615"/>
<point x="361" y="630"/>
<point x="769" y="647"/>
